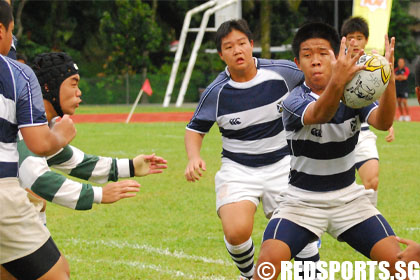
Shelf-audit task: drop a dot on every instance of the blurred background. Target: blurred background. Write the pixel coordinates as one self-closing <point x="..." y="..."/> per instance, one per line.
<point x="118" y="44"/>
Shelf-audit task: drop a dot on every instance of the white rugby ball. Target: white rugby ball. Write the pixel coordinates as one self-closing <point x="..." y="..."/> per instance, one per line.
<point x="368" y="84"/>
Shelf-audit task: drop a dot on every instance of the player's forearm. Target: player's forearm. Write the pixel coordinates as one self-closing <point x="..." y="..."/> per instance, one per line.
<point x="41" y="141"/>
<point x="327" y="104"/>
<point x="386" y="108"/>
<point x="193" y="142"/>
<point x="90" y="167"/>
<point x="60" y="190"/>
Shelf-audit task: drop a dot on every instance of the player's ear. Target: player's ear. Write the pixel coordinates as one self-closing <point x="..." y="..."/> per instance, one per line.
<point x="251" y="42"/>
<point x="297" y="63"/>
<point x="220" y="55"/>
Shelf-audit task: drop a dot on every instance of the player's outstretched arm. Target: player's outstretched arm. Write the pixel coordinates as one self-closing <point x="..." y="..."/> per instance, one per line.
<point x="148" y="164"/>
<point x="43" y="141"/>
<point x="115" y="191"/>
<point x="196" y="165"/>
<point x="383" y="117"/>
<point x="411" y="253"/>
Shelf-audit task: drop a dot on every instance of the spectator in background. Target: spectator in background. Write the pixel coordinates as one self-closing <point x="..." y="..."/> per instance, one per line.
<point x="401" y="82"/>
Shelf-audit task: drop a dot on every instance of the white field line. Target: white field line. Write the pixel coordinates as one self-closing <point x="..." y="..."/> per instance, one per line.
<point x="413" y="229"/>
<point x="149" y="249"/>
<point x="158" y="268"/>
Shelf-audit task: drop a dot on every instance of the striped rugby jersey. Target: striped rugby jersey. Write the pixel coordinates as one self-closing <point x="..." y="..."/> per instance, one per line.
<point x="322" y="155"/>
<point x="249" y="114"/>
<point x="35" y="174"/>
<point x="21" y="105"/>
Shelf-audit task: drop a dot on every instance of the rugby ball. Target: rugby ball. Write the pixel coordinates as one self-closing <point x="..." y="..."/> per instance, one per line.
<point x="368" y="84"/>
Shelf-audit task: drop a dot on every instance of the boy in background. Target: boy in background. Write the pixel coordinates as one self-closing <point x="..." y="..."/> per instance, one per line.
<point x="366" y="152"/>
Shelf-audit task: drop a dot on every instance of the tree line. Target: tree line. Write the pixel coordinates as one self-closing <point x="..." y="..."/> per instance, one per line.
<point x="120" y="37"/>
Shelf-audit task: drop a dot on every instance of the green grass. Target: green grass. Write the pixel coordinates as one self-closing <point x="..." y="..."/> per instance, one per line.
<point x="170" y="230"/>
<point x="141" y="108"/>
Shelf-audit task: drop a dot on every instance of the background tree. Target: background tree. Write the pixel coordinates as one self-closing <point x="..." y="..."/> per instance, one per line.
<point x="405" y="43"/>
<point x="265" y="16"/>
<point x="129" y="32"/>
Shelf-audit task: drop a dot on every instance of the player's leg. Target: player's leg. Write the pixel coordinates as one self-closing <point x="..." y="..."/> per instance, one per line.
<point x="31" y="249"/>
<point x="46" y="263"/>
<point x="277" y="179"/>
<point x="367" y="162"/>
<point x="405" y="105"/>
<point x="237" y="197"/>
<point x="237" y="221"/>
<point x="282" y="240"/>
<point x="400" y="108"/>
<point x="5" y="275"/>
<point x="369" y="174"/>
<point x="375" y="239"/>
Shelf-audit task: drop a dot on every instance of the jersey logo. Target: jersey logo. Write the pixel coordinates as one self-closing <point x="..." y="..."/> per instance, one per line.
<point x="353" y="125"/>
<point x="316" y="132"/>
<point x="280" y="107"/>
<point x="235" y="121"/>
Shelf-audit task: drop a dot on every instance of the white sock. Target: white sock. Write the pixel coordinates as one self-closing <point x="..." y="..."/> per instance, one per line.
<point x="243" y="256"/>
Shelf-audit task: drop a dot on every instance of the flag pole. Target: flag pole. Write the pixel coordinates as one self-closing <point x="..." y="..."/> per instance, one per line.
<point x="134" y="106"/>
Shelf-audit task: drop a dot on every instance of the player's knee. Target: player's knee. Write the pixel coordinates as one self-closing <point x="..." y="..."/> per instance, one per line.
<point x="236" y="236"/>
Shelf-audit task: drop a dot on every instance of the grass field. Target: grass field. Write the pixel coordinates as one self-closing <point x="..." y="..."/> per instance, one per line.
<point x="144" y="108"/>
<point x="170" y="230"/>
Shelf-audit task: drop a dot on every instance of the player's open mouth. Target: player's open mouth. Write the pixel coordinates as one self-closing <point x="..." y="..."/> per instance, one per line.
<point x="240" y="60"/>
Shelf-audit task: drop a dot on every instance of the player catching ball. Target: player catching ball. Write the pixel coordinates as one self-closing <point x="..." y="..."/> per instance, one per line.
<point x="322" y="133"/>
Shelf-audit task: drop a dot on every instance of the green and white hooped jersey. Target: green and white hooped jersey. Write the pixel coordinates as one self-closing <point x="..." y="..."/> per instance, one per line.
<point x="35" y="174"/>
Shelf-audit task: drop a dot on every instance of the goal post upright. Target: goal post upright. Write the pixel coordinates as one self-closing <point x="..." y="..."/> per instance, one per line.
<point x="225" y="10"/>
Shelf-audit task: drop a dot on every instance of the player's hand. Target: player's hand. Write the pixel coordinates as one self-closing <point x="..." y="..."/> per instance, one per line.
<point x="115" y="191"/>
<point x="344" y="66"/>
<point x="194" y="169"/>
<point x="65" y="130"/>
<point x="148" y="164"/>
<point x="411" y="253"/>
<point x="389" y="54"/>
<point x="389" y="50"/>
<point x="391" y="136"/>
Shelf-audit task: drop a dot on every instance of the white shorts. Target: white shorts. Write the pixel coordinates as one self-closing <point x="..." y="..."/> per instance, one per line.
<point x="366" y="147"/>
<point x="236" y="182"/>
<point x="333" y="212"/>
<point x="21" y="232"/>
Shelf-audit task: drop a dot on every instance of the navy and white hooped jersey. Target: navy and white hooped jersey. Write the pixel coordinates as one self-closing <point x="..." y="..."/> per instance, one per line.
<point x="249" y="114"/>
<point x="322" y="155"/>
<point x="21" y="105"/>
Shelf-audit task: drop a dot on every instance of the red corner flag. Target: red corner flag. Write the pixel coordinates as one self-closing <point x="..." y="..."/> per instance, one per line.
<point x="147" y="88"/>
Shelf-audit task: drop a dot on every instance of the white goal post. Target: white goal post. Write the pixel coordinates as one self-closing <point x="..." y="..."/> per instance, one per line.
<point x="224" y="10"/>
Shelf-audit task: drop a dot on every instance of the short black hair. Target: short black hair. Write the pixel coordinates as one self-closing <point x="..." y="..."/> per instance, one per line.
<point x="227" y="27"/>
<point x="312" y="30"/>
<point x="6" y="14"/>
<point x="355" y="24"/>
